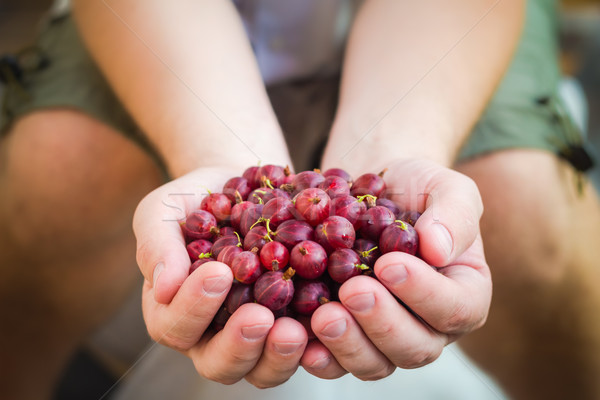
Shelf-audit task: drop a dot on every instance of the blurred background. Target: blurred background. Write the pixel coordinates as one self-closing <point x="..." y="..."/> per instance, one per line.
<point x="110" y="352"/>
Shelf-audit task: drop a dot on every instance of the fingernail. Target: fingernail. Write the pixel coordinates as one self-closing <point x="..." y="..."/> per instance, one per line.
<point x="157" y="270"/>
<point x="321" y="363"/>
<point x="444" y="238"/>
<point x="215" y="286"/>
<point x="334" y="329"/>
<point x="394" y="274"/>
<point x="286" y="348"/>
<point x="360" y="302"/>
<point x="255" y="332"/>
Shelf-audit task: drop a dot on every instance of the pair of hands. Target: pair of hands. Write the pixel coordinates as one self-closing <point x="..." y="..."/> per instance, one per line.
<point x="369" y="333"/>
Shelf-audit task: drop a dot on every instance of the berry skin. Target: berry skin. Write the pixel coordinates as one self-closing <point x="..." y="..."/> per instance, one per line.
<point x="344" y="264"/>
<point x="372" y="184"/>
<point x="309" y="295"/>
<point x="389" y="204"/>
<point x="201" y="225"/>
<point x="309" y="259"/>
<point x="335" y="186"/>
<point x="335" y="232"/>
<point x="278" y="210"/>
<point x="218" y="205"/>
<point x="291" y="232"/>
<point x="305" y="180"/>
<point x="350" y="208"/>
<point x="313" y="205"/>
<point x="246" y="267"/>
<point x="227" y="255"/>
<point x="399" y="236"/>
<point x="374" y="221"/>
<point x="223" y="242"/>
<point x="199" y="262"/>
<point x="271" y="176"/>
<point x="250" y="174"/>
<point x="338" y="172"/>
<point x="367" y="251"/>
<point x="249" y="218"/>
<point x="199" y="249"/>
<point x="238" y="294"/>
<point x="237" y="211"/>
<point x="237" y="189"/>
<point x="274" y="289"/>
<point x="410" y="216"/>
<point x="274" y="256"/>
<point x="256" y="237"/>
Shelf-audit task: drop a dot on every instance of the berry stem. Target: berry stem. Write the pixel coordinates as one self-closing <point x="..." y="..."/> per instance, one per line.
<point x="239" y="243"/>
<point x="287" y="275"/>
<point x="402" y="224"/>
<point x="204" y="255"/>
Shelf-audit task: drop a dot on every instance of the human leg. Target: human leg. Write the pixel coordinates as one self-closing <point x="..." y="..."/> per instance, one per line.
<point x="542" y="338"/>
<point x="68" y="188"/>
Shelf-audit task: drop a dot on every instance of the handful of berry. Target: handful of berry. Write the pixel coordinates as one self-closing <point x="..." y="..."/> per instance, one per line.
<point x="292" y="239"/>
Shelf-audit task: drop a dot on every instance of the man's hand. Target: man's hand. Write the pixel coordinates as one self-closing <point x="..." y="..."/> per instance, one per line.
<point x="178" y="308"/>
<point x="370" y="332"/>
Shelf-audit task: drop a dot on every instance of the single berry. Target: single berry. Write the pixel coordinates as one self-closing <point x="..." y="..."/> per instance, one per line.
<point x="274" y="256"/>
<point x="237" y="189"/>
<point x="367" y="251"/>
<point x="271" y="176"/>
<point x="304" y="180"/>
<point x="344" y="264"/>
<point x="410" y="216"/>
<point x="291" y="232"/>
<point x="340" y="173"/>
<point x="250" y="218"/>
<point x="399" y="236"/>
<point x="256" y="237"/>
<point x="335" y="232"/>
<point x="199" y="249"/>
<point x="250" y="174"/>
<point x="274" y="289"/>
<point x="335" y="186"/>
<point x="313" y="205"/>
<point x="309" y="295"/>
<point x="372" y="184"/>
<point x="374" y="221"/>
<point x="309" y="259"/>
<point x="201" y="225"/>
<point x="278" y="210"/>
<point x="218" y="205"/>
<point x="246" y="267"/>
<point x="389" y="204"/>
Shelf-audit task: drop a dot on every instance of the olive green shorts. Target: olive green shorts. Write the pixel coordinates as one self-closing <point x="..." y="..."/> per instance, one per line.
<point x="525" y="112"/>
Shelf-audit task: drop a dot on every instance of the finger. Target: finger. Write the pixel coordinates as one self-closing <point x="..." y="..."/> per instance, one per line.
<point x="454" y="300"/>
<point x="281" y="356"/>
<point x="405" y="341"/>
<point x="161" y="253"/>
<point x="338" y="331"/>
<point x="318" y="361"/>
<point x="181" y="323"/>
<point x="234" y="351"/>
<point x="451" y="206"/>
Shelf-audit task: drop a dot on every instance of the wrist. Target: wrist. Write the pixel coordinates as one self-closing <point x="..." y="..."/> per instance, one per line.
<point x="372" y="151"/>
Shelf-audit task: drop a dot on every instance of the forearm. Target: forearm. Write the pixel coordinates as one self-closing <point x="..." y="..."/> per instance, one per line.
<point x="186" y="73"/>
<point x="416" y="77"/>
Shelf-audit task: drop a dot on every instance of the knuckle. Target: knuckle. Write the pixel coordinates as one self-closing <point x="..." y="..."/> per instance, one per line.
<point x="215" y="375"/>
<point x="175" y="341"/>
<point x="459" y="319"/>
<point x="419" y="358"/>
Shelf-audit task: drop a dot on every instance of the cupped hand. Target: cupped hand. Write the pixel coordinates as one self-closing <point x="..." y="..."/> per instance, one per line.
<point x="178" y="307"/>
<point x="406" y="317"/>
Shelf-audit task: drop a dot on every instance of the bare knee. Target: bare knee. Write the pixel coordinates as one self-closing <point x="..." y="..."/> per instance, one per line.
<point x="528" y="201"/>
<point x="68" y="178"/>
